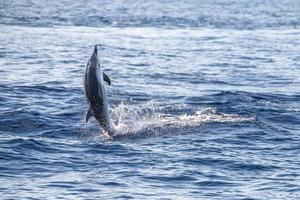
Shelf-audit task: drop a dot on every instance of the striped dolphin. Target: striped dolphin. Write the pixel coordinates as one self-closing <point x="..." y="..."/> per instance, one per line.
<point x="95" y="92"/>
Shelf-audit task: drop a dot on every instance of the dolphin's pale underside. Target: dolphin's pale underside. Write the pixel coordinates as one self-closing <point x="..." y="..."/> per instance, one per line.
<point x="96" y="93"/>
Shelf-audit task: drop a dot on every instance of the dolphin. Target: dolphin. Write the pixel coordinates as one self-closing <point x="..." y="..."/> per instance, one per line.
<point x="95" y="92"/>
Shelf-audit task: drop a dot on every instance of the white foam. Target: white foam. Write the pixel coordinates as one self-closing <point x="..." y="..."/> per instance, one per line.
<point x="133" y="119"/>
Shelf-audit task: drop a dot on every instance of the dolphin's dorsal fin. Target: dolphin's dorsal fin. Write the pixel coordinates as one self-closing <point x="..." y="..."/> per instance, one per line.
<point x="106" y="78"/>
<point x="89" y="114"/>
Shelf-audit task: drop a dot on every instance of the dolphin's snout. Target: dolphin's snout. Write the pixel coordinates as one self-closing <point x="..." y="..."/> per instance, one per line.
<point x="94" y="56"/>
<point x="95" y="50"/>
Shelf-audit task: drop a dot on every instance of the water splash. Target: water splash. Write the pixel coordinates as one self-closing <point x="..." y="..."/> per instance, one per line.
<point x="202" y="116"/>
<point x="132" y="119"/>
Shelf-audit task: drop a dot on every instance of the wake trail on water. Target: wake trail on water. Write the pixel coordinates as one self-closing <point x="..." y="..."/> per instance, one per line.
<point x="153" y="118"/>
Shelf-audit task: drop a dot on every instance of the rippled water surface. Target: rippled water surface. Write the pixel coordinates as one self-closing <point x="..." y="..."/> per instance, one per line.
<point x="206" y="94"/>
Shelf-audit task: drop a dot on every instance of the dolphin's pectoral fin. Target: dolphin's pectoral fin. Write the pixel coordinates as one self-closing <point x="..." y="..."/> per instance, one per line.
<point x="106" y="78"/>
<point x="89" y="114"/>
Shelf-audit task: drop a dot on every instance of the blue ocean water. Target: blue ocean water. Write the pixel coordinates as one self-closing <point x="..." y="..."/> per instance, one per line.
<point x="206" y="94"/>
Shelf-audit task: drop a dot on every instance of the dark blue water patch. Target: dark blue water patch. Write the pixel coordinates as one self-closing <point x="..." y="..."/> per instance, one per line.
<point x="124" y="197"/>
<point x="22" y="125"/>
<point x="179" y="179"/>
<point x="215" y="184"/>
<point x="66" y="185"/>
<point x="113" y="184"/>
<point x="86" y="190"/>
<point x="23" y="122"/>
<point x="207" y="161"/>
<point x="140" y="64"/>
<point x="255" y="168"/>
<point x="106" y="149"/>
<point x="260" y="59"/>
<point x="22" y="145"/>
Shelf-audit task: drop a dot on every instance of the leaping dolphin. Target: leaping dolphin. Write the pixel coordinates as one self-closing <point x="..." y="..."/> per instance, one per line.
<point x="95" y="92"/>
